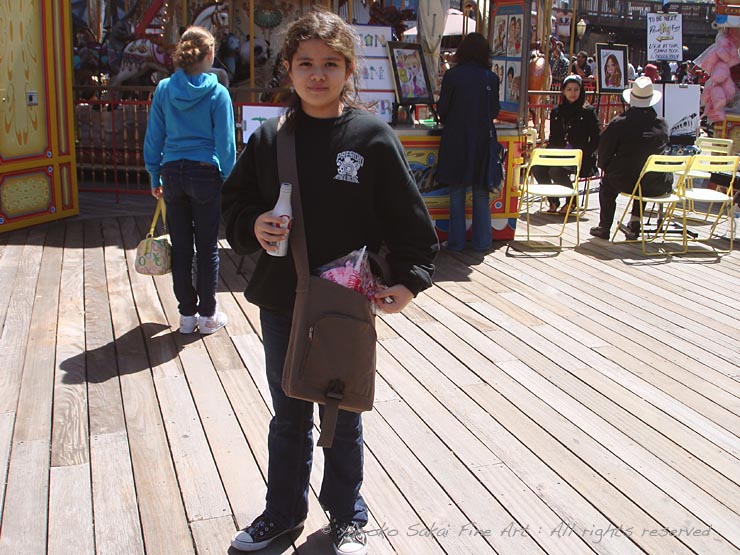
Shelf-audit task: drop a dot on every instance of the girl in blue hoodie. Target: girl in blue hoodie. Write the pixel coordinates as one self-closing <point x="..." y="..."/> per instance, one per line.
<point x="189" y="150"/>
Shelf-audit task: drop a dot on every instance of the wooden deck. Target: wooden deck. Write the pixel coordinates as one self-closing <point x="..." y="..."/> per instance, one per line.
<point x="579" y="402"/>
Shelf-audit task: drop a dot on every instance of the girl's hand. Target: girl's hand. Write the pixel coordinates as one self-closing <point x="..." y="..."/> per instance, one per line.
<point x="394" y="299"/>
<point x="267" y="232"/>
<point x="157" y="192"/>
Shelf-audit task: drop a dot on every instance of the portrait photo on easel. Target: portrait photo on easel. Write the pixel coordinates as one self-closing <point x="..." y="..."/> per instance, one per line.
<point x="611" y="62"/>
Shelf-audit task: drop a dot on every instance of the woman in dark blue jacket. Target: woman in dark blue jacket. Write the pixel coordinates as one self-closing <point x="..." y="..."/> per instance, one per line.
<point x="468" y="102"/>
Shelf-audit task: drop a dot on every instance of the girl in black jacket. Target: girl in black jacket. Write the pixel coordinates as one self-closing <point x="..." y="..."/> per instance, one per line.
<point x="573" y="124"/>
<point x="356" y="189"/>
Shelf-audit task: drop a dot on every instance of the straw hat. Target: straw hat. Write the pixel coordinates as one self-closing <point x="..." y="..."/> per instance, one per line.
<point x="642" y="93"/>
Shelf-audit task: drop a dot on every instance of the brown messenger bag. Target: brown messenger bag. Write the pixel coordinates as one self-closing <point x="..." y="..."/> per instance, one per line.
<point x="331" y="352"/>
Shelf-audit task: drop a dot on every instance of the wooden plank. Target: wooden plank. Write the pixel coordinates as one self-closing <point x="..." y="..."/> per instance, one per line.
<point x="573" y="510"/>
<point x="437" y="513"/>
<point x="27" y="485"/>
<point x="103" y="390"/>
<point x="69" y="442"/>
<point x="662" y="505"/>
<point x="70" y="511"/>
<point x="14" y="339"/>
<point x="725" y="441"/>
<point x="236" y="465"/>
<point x="200" y="484"/>
<point x="523" y="505"/>
<point x="26" y="499"/>
<point x="163" y="520"/>
<point x="394" y="514"/>
<point x="10" y="259"/>
<point x="7" y="421"/>
<point x="602" y="492"/>
<point x="115" y="513"/>
<point x="212" y="536"/>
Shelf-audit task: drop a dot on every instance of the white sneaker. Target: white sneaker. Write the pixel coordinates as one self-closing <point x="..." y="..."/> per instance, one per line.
<point x="211" y="324"/>
<point x="188" y="323"/>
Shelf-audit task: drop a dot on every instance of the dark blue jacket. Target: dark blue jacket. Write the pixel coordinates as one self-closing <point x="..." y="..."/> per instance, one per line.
<point x="467" y="104"/>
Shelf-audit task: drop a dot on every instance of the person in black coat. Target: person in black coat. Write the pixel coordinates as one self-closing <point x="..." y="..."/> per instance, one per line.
<point x="573" y="124"/>
<point x="468" y="102"/>
<point x="625" y="145"/>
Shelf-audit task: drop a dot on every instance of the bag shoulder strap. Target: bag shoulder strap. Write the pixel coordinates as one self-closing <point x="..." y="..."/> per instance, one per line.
<point x="288" y="173"/>
<point x="161" y="209"/>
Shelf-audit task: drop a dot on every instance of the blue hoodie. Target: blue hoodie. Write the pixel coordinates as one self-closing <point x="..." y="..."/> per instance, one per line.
<point x="191" y="118"/>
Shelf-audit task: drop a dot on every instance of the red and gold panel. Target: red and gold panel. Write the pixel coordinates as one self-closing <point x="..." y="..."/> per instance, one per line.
<point x="25" y="110"/>
<point x="26" y="194"/>
<point x="38" y="181"/>
<point x="61" y="49"/>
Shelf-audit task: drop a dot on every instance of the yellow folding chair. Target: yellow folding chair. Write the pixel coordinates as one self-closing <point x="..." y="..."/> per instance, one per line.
<point x="708" y="164"/>
<point x="530" y="189"/>
<point x="658" y="163"/>
<point x="710" y="145"/>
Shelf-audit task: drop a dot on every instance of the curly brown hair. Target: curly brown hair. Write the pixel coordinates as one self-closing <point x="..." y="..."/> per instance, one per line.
<point x="337" y="34"/>
<point x="194" y="45"/>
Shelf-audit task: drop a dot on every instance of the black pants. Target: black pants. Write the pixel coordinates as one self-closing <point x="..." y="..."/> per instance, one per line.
<point x="553" y="174"/>
<point x="610" y="188"/>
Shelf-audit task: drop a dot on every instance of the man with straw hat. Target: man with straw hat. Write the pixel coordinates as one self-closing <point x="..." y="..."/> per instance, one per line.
<point x="623" y="148"/>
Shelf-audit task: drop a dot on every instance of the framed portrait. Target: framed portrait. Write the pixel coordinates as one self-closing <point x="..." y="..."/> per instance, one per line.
<point x="611" y="62"/>
<point x="410" y="76"/>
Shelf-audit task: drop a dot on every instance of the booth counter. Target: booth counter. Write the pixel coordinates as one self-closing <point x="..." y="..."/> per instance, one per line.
<point x="422" y="149"/>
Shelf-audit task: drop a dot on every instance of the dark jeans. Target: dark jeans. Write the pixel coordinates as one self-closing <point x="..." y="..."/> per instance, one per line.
<point x="290" y="445"/>
<point x="553" y="174"/>
<point x="480" y="230"/>
<point x="192" y="193"/>
<point x="609" y="190"/>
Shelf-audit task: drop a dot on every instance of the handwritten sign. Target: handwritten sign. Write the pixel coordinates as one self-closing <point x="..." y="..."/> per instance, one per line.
<point x="664" y="36"/>
<point x="373" y="40"/>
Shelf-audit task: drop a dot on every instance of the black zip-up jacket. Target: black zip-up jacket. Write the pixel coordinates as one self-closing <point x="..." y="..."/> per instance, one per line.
<point x="625" y="145"/>
<point x="356" y="188"/>
<point x="576" y="128"/>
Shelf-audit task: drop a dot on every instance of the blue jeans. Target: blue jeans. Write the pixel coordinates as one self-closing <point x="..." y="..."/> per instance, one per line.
<point x="290" y="446"/>
<point x="481" y="228"/>
<point x="192" y="193"/>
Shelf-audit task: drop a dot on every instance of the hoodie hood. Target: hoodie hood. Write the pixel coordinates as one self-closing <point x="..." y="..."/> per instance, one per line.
<point x="187" y="90"/>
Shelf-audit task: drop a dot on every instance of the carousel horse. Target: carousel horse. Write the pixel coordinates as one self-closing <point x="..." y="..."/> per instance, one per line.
<point x="539" y="80"/>
<point x="141" y="57"/>
<point x="213" y="18"/>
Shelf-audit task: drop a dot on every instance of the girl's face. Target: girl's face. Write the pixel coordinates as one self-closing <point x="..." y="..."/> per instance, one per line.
<point x="611" y="67"/>
<point x="319" y="75"/>
<point x="571" y="92"/>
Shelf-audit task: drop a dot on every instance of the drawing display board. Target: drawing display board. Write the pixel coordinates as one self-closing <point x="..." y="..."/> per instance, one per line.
<point x="509" y="50"/>
<point x="680" y="108"/>
<point x="374" y="68"/>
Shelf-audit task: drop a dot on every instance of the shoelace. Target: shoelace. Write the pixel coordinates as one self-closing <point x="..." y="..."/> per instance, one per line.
<point x="349" y="532"/>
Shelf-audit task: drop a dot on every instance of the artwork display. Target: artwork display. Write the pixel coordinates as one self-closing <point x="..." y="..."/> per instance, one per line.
<point x="612" y="67"/>
<point x="410" y="77"/>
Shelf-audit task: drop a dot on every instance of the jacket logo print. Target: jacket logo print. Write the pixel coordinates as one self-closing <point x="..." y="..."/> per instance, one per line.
<point x="348" y="165"/>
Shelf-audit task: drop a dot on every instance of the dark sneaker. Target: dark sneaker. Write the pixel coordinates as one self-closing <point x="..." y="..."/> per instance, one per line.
<point x="633" y="230"/>
<point x="261" y="533"/>
<point x="348" y="538"/>
<point x="600" y="232"/>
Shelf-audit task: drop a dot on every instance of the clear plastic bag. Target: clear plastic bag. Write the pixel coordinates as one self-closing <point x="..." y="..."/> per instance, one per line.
<point x="352" y="271"/>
